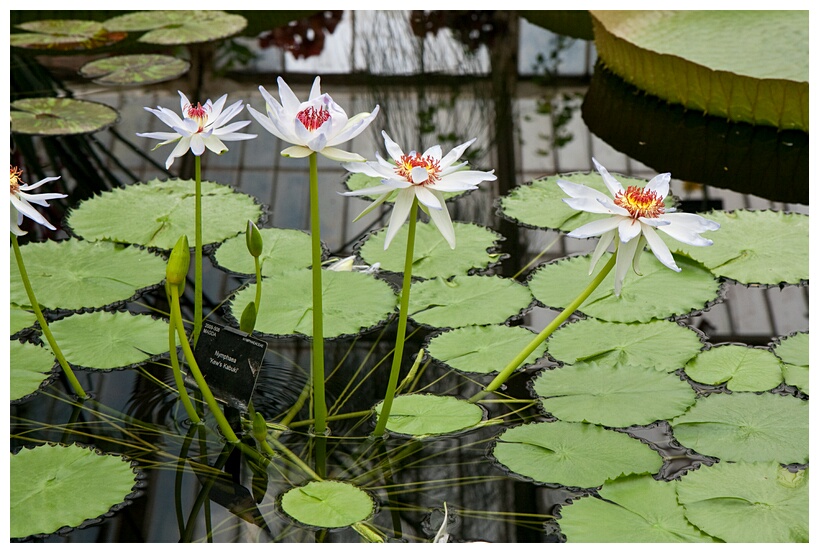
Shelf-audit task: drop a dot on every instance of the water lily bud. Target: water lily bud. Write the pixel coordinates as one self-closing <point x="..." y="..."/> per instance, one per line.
<point x="248" y="320"/>
<point x="178" y="263"/>
<point x="254" y="240"/>
<point x="259" y="427"/>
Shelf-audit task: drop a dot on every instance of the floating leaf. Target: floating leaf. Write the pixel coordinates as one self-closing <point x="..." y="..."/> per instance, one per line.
<point x="659" y="345"/>
<point x="20" y="319"/>
<point x="174" y="27"/>
<point x="467" y="300"/>
<point x="155" y="214"/>
<point x="64" y="35"/>
<point x="432" y="256"/>
<point x="134" y="70"/>
<point x="421" y="415"/>
<point x="658" y="294"/>
<point x="573" y="454"/>
<point x="793" y="351"/>
<point x="327" y="504"/>
<point x="619" y="396"/>
<point x="103" y="340"/>
<point x="75" y="274"/>
<point x="352" y="302"/>
<point x="740" y="368"/>
<point x="756" y="247"/>
<point x="713" y="61"/>
<point x="632" y="509"/>
<point x="283" y="250"/>
<point x="30" y="366"/>
<point x="53" y="487"/>
<point x="747" y="502"/>
<point x="746" y="427"/>
<point x="482" y="349"/>
<point x="60" y="116"/>
<point x="359" y="181"/>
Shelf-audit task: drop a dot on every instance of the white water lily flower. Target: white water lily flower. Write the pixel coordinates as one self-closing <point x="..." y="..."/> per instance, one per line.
<point x="199" y="127"/>
<point x="21" y="201"/>
<point x="347" y="265"/>
<point x="317" y="125"/>
<point x="636" y="216"/>
<point x="424" y="176"/>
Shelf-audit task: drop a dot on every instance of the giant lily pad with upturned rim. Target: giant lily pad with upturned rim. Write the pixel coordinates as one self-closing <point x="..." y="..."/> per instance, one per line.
<point x="134" y="69"/>
<point x="176" y="27"/>
<point x="60" y="116"/>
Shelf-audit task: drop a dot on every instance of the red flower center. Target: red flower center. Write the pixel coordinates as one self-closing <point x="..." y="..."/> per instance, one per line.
<point x="14" y="179"/>
<point x="198" y="113"/>
<point x="640" y="202"/>
<point x="313" y="118"/>
<point x="408" y="162"/>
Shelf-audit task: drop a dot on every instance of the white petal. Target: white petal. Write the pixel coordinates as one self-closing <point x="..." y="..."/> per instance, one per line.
<point x="378" y="201"/>
<point x="625" y="256"/>
<point x="602" y="246"/>
<point x="218" y="106"/>
<point x="370" y="191"/>
<point x="339" y="155"/>
<point x="590" y="205"/>
<point x="38" y="184"/>
<point x="315" y="90"/>
<point x="596" y="228"/>
<point x="581" y="191"/>
<point x="393" y="149"/>
<point x="455" y="154"/>
<point x="434" y="152"/>
<point x="400" y="212"/>
<point x="215" y="145"/>
<point x="296" y="152"/>
<point x="354" y="127"/>
<point x="659" y="249"/>
<point x="428" y="197"/>
<point x="441" y="219"/>
<point x="197" y="144"/>
<point x="659" y="184"/>
<point x="463" y="180"/>
<point x="612" y="184"/>
<point x="629" y="228"/>
<point x="290" y="103"/>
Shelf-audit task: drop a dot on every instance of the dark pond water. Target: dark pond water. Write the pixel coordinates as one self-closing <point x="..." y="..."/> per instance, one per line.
<point x="549" y="119"/>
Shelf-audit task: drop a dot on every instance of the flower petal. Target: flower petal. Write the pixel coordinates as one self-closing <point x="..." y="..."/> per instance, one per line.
<point x="400" y="212"/>
<point x="296" y="152"/>
<point x="455" y="154"/>
<point x="659" y="184"/>
<point x="340" y="155"/>
<point x="629" y="228"/>
<point x="611" y="183"/>
<point x="659" y="249"/>
<point x="441" y="219"/>
<point x="625" y="255"/>
<point x="596" y="228"/>
<point x="393" y="149"/>
<point x="602" y="246"/>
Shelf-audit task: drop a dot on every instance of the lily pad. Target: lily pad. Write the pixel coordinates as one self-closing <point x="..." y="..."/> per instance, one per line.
<point x="359" y="181"/>
<point x="746" y="427"/>
<point x="659" y="345"/>
<point x="283" y="250"/>
<point x="54" y="486"/>
<point x="64" y="35"/>
<point x="155" y="214"/>
<point x="756" y="247"/>
<point x="421" y="415"/>
<point x="175" y="27"/>
<point x="30" y="366"/>
<point x="60" y="116"/>
<point x="740" y="368"/>
<point x="432" y="256"/>
<point x="75" y="274"/>
<point x="482" y="349"/>
<point x="467" y="300"/>
<point x="632" y="509"/>
<point x="352" y="302"/>
<point x="793" y="351"/>
<point x="659" y="293"/>
<point x="327" y="504"/>
<point x="103" y="340"/>
<point x="747" y="502"/>
<point x="134" y="70"/>
<point x="618" y="396"/>
<point x="714" y="61"/>
<point x="573" y="454"/>
<point x="20" y="319"/>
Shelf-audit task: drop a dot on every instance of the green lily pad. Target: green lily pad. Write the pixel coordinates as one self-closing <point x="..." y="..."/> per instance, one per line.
<point x="658" y="294"/>
<point x="467" y="300"/>
<point x="756" y="247"/>
<point x="283" y="250"/>
<point x="632" y="509"/>
<point x="103" y="340"/>
<point x="175" y="27"/>
<point x="352" y="302"/>
<point x="327" y="504"/>
<point x="740" y="368"/>
<point x="20" y="319"/>
<point x="659" y="345"/>
<point x="75" y="274"/>
<point x="573" y="454"/>
<point x="54" y="486"/>
<point x="30" y="366"/>
<point x="155" y="214"/>
<point x="618" y="396"/>
<point x="540" y="204"/>
<point x="421" y="415"/>
<point x="747" y="502"/>
<point x="713" y="61"/>
<point x="432" y="256"/>
<point x="793" y="351"/>
<point x="134" y="70"/>
<point x="64" y="35"/>
<point x="482" y="349"/>
<point x="746" y="427"/>
<point x="60" y="116"/>
<point x="359" y="181"/>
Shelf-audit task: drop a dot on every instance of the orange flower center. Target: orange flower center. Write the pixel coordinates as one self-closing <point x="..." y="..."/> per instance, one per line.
<point x="198" y="113"/>
<point x="408" y="162"/>
<point x="313" y="118"/>
<point x="640" y="202"/>
<point x="14" y="179"/>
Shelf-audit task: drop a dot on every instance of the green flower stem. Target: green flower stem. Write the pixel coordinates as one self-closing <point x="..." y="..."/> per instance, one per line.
<point x="403" y="312"/>
<point x="197" y="248"/>
<point x="258" y="284"/>
<point x="545" y="333"/>
<point x="177" y="373"/>
<point x="72" y="379"/>
<point x="176" y="317"/>
<point x="319" y="403"/>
